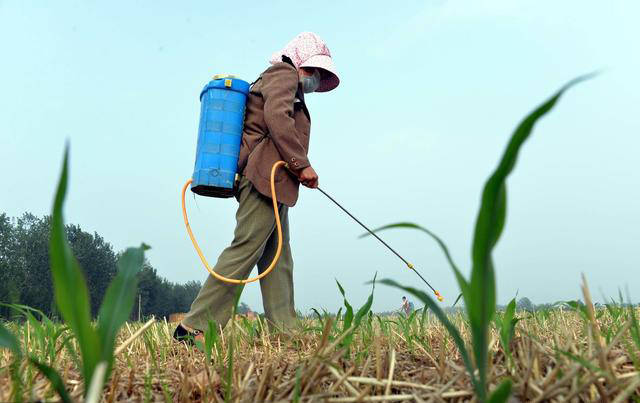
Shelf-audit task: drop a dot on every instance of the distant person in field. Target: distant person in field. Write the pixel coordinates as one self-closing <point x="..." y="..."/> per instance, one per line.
<point x="276" y="127"/>
<point x="407" y="307"/>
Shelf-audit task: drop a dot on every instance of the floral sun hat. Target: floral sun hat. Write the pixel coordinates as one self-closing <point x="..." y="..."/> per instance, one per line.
<point x="309" y="50"/>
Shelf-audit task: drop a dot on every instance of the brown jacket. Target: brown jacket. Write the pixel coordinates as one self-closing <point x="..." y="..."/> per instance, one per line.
<point x="276" y="127"/>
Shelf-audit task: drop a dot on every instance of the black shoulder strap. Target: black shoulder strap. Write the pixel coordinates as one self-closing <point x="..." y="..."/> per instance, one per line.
<point x="299" y="93"/>
<point x="257" y="79"/>
<point x="286" y="59"/>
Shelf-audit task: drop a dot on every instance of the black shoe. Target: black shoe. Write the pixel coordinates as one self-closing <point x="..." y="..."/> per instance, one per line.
<point x="183" y="335"/>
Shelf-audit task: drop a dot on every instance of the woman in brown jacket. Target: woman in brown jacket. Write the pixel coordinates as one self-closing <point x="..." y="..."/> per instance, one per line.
<point x="277" y="126"/>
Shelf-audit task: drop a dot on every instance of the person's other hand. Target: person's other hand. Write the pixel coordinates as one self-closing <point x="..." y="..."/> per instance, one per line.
<point x="308" y="177"/>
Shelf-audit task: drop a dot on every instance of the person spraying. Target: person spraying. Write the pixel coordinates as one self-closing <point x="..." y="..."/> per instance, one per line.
<point x="276" y="128"/>
<point x="406" y="307"/>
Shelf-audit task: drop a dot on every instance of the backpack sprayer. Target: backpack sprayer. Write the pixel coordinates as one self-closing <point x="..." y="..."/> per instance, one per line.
<point x="223" y="102"/>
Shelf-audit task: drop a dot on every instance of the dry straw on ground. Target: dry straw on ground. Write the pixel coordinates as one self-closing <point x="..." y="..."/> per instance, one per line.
<point x="557" y="355"/>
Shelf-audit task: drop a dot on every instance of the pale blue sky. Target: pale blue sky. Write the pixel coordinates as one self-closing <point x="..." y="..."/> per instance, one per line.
<point x="430" y="93"/>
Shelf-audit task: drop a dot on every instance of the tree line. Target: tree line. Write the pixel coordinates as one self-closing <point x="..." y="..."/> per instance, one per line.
<point x="25" y="275"/>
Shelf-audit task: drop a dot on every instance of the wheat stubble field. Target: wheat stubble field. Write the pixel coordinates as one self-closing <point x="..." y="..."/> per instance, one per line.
<point x="553" y="355"/>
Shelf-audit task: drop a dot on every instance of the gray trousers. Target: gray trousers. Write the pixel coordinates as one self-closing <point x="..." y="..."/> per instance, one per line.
<point x="255" y="242"/>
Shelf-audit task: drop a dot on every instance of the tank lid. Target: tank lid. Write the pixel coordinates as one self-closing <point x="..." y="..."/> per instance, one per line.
<point x="227" y="83"/>
<point x="220" y="76"/>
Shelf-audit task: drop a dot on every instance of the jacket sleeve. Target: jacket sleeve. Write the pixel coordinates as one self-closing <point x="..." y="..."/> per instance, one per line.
<point x="279" y="86"/>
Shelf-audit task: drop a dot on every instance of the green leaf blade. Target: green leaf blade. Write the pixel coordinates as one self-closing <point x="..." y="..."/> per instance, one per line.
<point x="53" y="377"/>
<point x="462" y="282"/>
<point x="9" y="341"/>
<point x="118" y="302"/>
<point x="348" y="315"/>
<point x="501" y="393"/>
<point x="367" y="306"/>
<point x="70" y="289"/>
<point x="489" y="226"/>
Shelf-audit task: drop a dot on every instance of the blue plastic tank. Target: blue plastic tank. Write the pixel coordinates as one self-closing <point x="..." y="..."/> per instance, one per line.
<point x="222" y="106"/>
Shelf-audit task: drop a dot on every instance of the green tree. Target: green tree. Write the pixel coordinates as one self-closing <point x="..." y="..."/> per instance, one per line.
<point x="30" y="261"/>
<point x="97" y="260"/>
<point x="25" y="275"/>
<point x="525" y="304"/>
<point x="9" y="292"/>
<point x="161" y="298"/>
<point x="184" y="294"/>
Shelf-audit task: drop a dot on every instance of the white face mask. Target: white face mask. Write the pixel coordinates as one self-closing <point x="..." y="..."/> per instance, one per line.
<point x="310" y="83"/>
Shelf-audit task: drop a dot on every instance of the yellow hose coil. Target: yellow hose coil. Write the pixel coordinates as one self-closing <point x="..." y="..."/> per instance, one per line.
<point x="278" y="228"/>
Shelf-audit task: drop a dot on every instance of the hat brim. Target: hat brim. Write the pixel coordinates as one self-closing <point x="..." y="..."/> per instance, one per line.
<point x="328" y="75"/>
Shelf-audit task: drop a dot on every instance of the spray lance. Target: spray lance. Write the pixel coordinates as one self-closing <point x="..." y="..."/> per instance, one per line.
<point x="223" y="102"/>
<point x="409" y="265"/>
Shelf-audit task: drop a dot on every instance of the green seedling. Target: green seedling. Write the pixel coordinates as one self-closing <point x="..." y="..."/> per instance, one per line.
<point x="479" y="292"/>
<point x="351" y="322"/>
<point x="211" y="341"/>
<point x="506" y="325"/>
<point x="96" y="342"/>
<point x="72" y="298"/>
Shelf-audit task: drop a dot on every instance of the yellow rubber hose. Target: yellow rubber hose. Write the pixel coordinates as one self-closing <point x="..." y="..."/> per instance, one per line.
<point x="274" y="168"/>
